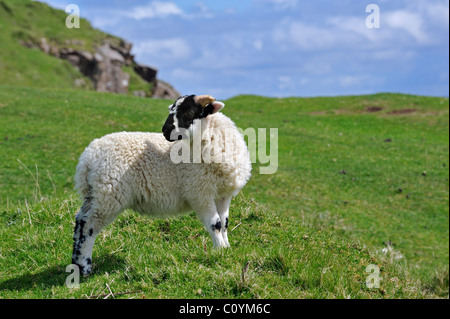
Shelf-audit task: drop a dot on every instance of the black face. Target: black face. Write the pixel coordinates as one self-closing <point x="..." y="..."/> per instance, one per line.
<point x="183" y="112"/>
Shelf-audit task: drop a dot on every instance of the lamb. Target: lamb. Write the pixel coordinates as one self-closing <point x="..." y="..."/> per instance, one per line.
<point x="136" y="170"/>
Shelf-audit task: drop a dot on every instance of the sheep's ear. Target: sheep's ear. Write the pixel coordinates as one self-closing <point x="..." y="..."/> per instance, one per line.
<point x="204" y="100"/>
<point x="217" y="106"/>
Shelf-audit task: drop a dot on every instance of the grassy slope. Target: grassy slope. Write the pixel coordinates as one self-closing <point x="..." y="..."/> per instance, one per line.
<point x="29" y="21"/>
<point x="383" y="195"/>
<point x="174" y="258"/>
<point x="48" y="129"/>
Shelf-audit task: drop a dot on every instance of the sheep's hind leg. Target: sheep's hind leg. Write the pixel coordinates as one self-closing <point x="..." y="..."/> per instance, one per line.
<point x="89" y="221"/>
<point x="81" y="240"/>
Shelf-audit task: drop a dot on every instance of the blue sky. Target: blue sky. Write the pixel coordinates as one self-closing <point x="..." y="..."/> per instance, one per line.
<point x="283" y="48"/>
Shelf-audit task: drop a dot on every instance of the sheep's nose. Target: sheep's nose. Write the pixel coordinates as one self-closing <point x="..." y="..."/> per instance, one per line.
<point x="167" y="135"/>
<point x="167" y="131"/>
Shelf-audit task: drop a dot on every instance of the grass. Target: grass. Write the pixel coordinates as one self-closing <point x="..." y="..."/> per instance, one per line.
<point x="342" y="193"/>
<point x="43" y="132"/>
<point x="31" y="20"/>
<point x="377" y="177"/>
<point x="28" y="22"/>
<point x="272" y="257"/>
<point x="136" y="83"/>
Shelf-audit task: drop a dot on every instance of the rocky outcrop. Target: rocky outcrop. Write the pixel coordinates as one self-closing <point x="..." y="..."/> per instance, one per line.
<point x="107" y="74"/>
<point x="105" y="67"/>
<point x="146" y="72"/>
<point x="163" y="90"/>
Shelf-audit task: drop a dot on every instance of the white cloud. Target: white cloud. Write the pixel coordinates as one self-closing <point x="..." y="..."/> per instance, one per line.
<point x="285" y="82"/>
<point x="184" y="74"/>
<point x="202" y="10"/>
<point x="398" y="27"/>
<point x="317" y="66"/>
<point x="411" y="22"/>
<point x="155" y="9"/>
<point x="438" y="13"/>
<point x="387" y="54"/>
<point x="286" y="47"/>
<point x="258" y="44"/>
<point x="164" y="50"/>
<point x="307" y="36"/>
<point x="102" y="22"/>
<point x="280" y="5"/>
<point x="355" y="26"/>
<point x="348" y="80"/>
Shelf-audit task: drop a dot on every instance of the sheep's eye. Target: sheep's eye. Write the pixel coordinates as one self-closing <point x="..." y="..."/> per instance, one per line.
<point x="188" y="114"/>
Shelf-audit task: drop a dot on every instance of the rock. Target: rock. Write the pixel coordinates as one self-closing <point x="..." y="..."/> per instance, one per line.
<point x="87" y="63"/>
<point x="74" y="42"/>
<point x="108" y="53"/>
<point x="82" y="60"/>
<point x="163" y="90"/>
<point x="139" y="93"/>
<point x="44" y="46"/>
<point x="146" y="72"/>
<point x="79" y="83"/>
<point x="54" y="51"/>
<point x="104" y="66"/>
<point x="98" y="57"/>
<point x="87" y="56"/>
<point x="108" y="75"/>
<point x="124" y="48"/>
<point x="74" y="59"/>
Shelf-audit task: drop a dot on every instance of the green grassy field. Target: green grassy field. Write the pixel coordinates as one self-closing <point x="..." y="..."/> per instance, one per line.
<point x="271" y="257"/>
<point x="355" y="173"/>
<point x="371" y="168"/>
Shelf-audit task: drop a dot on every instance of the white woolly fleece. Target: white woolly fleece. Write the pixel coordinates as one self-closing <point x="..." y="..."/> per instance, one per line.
<point x="134" y="170"/>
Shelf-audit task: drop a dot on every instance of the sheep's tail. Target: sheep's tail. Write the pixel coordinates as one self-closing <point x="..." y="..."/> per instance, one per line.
<point x="81" y="177"/>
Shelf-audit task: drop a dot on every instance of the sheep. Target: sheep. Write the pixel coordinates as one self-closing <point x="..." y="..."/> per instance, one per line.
<point x="136" y="170"/>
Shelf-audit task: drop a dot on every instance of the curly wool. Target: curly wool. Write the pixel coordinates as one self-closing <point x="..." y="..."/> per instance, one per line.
<point x="134" y="170"/>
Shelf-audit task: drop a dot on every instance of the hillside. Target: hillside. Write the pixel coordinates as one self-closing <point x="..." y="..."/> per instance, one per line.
<point x="43" y="132"/>
<point x="372" y="168"/>
<point x="361" y="180"/>
<point x="38" y="50"/>
<point x="272" y="257"/>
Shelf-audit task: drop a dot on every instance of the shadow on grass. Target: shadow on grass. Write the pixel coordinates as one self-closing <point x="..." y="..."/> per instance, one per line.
<point x="57" y="275"/>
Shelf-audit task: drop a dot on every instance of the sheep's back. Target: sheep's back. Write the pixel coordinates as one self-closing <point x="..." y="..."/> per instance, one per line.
<point x="133" y="167"/>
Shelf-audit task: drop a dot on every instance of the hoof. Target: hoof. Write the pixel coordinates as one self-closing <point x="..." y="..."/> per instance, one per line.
<point x="85" y="266"/>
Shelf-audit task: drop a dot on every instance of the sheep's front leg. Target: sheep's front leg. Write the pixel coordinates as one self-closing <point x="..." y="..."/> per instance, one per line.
<point x="213" y="224"/>
<point x="223" y="207"/>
